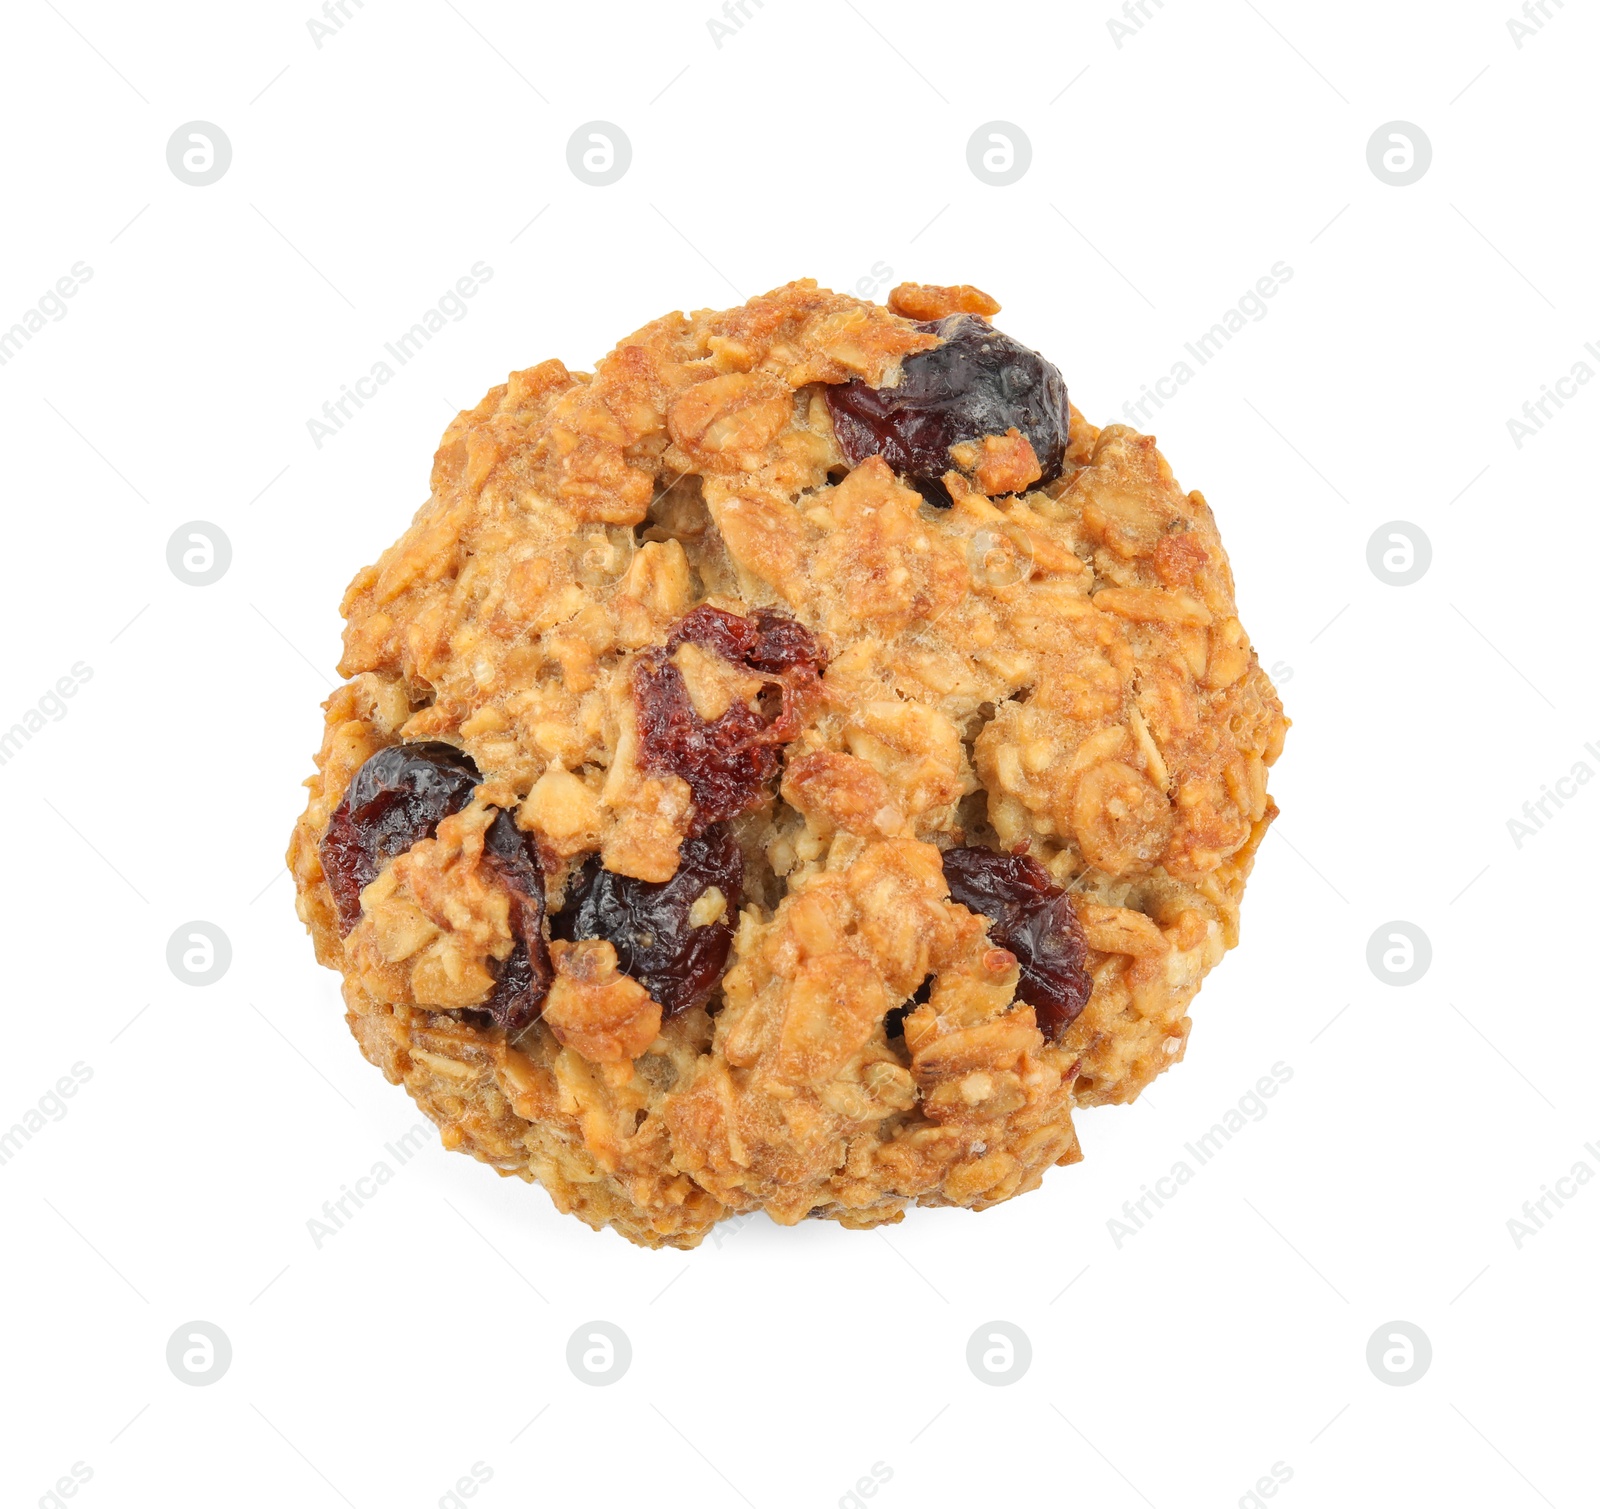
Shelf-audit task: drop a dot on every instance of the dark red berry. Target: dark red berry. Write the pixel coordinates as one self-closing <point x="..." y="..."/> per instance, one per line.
<point x="1032" y="917"/>
<point x="976" y="382"/>
<point x="730" y="761"/>
<point x="398" y="798"/>
<point x="763" y="641"/>
<point x="518" y="995"/>
<point x="648" y="924"/>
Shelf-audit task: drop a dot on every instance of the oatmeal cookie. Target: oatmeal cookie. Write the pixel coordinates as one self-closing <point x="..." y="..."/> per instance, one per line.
<point x="789" y="768"/>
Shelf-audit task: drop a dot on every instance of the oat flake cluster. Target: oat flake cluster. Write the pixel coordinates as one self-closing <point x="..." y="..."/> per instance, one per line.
<point x="705" y="689"/>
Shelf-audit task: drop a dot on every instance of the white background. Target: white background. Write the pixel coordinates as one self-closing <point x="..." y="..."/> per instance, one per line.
<point x="775" y="1367"/>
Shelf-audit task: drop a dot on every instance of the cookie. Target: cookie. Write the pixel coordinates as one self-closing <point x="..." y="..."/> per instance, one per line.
<point x="790" y="768"/>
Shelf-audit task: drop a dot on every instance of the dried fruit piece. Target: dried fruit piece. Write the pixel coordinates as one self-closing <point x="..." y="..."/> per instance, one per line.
<point x="653" y="927"/>
<point x="397" y="799"/>
<point x="1032" y="917"/>
<point x="729" y="761"/>
<point x="977" y="381"/>
<point x="764" y="641"/>
<point x="524" y="980"/>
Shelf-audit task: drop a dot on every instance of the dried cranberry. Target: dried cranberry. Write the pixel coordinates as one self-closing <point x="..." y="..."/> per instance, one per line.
<point x="1032" y="917"/>
<point x="763" y="641"/>
<point x="397" y="799"/>
<point x="518" y="995"/>
<point x="976" y="382"/>
<point x="648" y="924"/>
<point x="729" y="761"/>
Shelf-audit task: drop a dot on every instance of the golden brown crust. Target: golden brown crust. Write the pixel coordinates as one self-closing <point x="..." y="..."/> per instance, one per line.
<point x="931" y="301"/>
<point x="1060" y="669"/>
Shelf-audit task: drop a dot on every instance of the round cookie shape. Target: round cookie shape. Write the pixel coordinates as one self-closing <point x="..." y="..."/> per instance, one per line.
<point x="719" y="815"/>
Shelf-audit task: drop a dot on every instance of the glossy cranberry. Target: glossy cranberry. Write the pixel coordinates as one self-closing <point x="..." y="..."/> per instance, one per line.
<point x="730" y="761"/>
<point x="977" y="381"/>
<point x="763" y="641"/>
<point x="517" y="999"/>
<point x="648" y="924"/>
<point x="1032" y="917"/>
<point x="397" y="799"/>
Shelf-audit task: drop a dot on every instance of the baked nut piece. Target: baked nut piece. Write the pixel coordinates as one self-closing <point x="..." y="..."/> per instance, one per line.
<point x="789" y="768"/>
